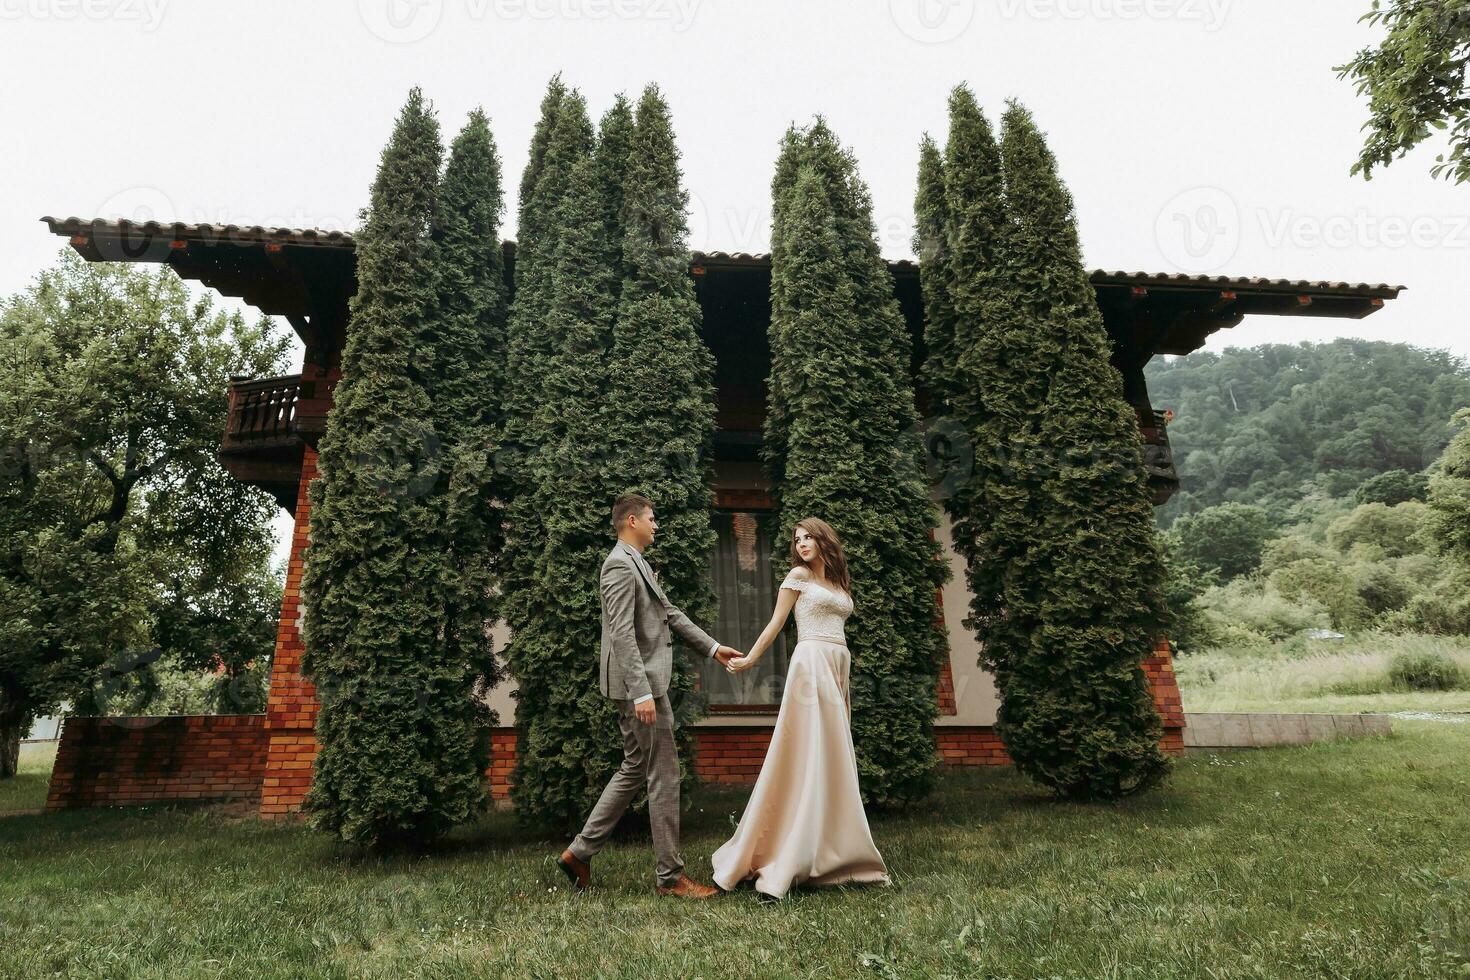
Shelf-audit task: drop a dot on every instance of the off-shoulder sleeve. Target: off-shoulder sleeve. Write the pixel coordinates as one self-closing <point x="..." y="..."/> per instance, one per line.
<point x="797" y="579"/>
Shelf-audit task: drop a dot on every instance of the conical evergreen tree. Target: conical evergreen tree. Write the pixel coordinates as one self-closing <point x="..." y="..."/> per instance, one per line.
<point x="931" y="224"/>
<point x="1078" y="715"/>
<point x="614" y="149"/>
<point x="389" y="770"/>
<point x="563" y="136"/>
<point x="567" y="732"/>
<point x="467" y="349"/>
<point x="983" y="368"/>
<point x="1065" y="612"/>
<point x="561" y="745"/>
<point x="841" y="444"/>
<point x="619" y="325"/>
<point x="662" y="410"/>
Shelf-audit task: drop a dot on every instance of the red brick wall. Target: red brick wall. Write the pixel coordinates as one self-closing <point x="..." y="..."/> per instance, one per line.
<point x="970" y="745"/>
<point x="723" y="755"/>
<point x="730" y="755"/>
<point x="126" y="761"/>
<point x="502" y="761"/>
<point x="947" y="705"/>
<point x="1159" y="669"/>
<point x="290" y="713"/>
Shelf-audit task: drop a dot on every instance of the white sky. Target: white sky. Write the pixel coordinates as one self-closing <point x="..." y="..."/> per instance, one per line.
<point x="1195" y="135"/>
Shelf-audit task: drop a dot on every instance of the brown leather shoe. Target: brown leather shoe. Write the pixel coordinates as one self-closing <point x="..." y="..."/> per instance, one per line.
<point x="687" y="887"/>
<point x="579" y="871"/>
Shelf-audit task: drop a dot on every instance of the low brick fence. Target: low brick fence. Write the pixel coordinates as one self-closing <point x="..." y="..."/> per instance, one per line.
<point x="130" y="761"/>
<point x="104" y="761"/>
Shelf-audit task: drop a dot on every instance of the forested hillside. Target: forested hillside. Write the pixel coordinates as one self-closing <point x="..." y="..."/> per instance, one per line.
<point x="1274" y="424"/>
<point x="1323" y="487"/>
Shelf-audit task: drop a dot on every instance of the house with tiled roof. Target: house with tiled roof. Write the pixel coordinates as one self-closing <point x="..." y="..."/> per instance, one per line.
<point x="269" y="440"/>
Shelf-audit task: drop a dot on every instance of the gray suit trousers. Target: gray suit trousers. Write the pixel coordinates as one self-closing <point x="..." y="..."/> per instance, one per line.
<point x="649" y="758"/>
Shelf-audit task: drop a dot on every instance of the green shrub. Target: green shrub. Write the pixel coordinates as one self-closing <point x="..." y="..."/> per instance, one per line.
<point x="1327" y="583"/>
<point x="1226" y="539"/>
<point x="1283" y="551"/>
<point x="1426" y="671"/>
<point x="1243" y="613"/>
<point x="1394" y="529"/>
<point x="1381" y="587"/>
<point x="1441" y="610"/>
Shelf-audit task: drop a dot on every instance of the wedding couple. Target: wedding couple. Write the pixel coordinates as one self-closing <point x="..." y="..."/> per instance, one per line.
<point x="804" y="822"/>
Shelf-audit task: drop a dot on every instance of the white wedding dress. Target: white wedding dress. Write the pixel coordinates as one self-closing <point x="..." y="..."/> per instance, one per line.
<point x="805" y="822"/>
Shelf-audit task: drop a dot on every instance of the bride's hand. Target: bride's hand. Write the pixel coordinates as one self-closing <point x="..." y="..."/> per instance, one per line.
<point x="737" y="664"/>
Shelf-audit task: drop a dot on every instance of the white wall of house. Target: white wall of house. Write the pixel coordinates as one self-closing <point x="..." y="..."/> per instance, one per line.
<point x="974" y="690"/>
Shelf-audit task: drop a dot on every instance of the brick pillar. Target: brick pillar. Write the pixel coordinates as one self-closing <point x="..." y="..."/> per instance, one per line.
<point x="290" y="712"/>
<point x="1159" y="668"/>
<point x="502" y="763"/>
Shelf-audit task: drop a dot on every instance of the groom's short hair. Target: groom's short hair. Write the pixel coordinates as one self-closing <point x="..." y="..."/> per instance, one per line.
<point x="628" y="503"/>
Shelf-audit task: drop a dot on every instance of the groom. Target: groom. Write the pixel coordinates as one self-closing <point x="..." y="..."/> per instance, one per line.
<point x="637" y="659"/>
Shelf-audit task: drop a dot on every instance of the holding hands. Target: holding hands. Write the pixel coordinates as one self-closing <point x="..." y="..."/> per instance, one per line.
<point x="738" y="664"/>
<point x="734" y="660"/>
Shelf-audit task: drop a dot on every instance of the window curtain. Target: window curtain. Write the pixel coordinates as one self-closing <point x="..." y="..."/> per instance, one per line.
<point x="745" y="581"/>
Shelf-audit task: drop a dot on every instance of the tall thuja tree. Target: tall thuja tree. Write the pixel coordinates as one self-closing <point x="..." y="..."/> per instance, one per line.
<point x="661" y="415"/>
<point x="614" y="156"/>
<point x="466" y="360"/>
<point x="841" y="444"/>
<point x="1449" y="496"/>
<point x="936" y="278"/>
<point x="1076" y="713"/>
<point x="562" y="138"/>
<point x="1446" y="605"/>
<point x="393" y="766"/>
<point x="567" y="737"/>
<point x="985" y="369"/>
<point x="563" y="135"/>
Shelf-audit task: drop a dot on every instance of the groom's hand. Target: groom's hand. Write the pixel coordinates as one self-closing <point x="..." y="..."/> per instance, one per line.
<point x="646" y="712"/>
<point x="725" y="654"/>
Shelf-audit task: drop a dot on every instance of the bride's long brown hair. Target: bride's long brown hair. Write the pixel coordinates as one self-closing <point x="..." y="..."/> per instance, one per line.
<point x="829" y="546"/>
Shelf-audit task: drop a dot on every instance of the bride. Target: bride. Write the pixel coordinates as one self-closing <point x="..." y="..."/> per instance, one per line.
<point x="805" y="821"/>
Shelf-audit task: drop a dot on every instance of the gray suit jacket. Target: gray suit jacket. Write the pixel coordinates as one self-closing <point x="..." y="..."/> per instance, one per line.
<point x="637" y="648"/>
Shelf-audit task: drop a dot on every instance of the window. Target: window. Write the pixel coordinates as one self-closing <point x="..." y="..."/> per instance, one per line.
<point x="746" y="589"/>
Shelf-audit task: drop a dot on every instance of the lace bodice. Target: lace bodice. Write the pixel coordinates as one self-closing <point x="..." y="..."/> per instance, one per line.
<point x="820" y="611"/>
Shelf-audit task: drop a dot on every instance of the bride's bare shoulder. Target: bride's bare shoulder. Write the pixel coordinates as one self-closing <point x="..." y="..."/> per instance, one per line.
<point x="798" y="576"/>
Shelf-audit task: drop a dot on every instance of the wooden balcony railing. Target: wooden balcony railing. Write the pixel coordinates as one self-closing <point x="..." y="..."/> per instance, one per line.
<point x="270" y="423"/>
<point x="263" y="410"/>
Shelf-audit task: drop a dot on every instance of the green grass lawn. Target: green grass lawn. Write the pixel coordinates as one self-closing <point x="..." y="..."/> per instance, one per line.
<point x="1341" y="859"/>
<point x="1347" y="675"/>
<point x="27" y="791"/>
